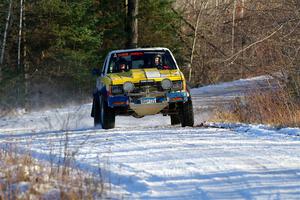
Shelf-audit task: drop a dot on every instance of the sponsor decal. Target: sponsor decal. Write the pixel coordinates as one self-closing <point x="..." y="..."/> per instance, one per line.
<point x="130" y="54"/>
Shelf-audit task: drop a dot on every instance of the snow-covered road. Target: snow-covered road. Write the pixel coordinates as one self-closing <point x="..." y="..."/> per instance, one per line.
<point x="149" y="159"/>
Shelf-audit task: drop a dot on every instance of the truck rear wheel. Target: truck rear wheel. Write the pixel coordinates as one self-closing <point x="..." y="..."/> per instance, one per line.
<point x="96" y="113"/>
<point x="108" y="115"/>
<point x="187" y="114"/>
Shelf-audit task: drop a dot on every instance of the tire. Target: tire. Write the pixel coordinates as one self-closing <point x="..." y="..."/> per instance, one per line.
<point x="187" y="114"/>
<point x="96" y="113"/>
<point x="175" y="119"/>
<point x="108" y="116"/>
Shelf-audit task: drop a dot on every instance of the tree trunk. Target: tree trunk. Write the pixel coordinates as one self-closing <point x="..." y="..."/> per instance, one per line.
<point x="25" y="63"/>
<point x="20" y="35"/>
<point x="233" y="26"/>
<point x="5" y="38"/>
<point x="194" y="45"/>
<point x="132" y="15"/>
<point x="242" y="9"/>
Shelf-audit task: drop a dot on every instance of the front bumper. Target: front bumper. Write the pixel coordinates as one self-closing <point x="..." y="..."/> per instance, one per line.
<point x="127" y="101"/>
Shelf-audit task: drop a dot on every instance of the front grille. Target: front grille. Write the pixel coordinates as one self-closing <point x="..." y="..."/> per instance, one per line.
<point x="147" y="85"/>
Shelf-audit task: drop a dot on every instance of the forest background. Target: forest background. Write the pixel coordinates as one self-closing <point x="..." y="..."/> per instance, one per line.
<point x="48" y="48"/>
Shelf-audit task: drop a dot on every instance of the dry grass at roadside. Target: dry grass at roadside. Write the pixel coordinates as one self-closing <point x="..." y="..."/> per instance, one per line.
<point x="272" y="107"/>
<point x="22" y="177"/>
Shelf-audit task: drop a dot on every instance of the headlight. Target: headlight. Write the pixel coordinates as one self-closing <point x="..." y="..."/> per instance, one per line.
<point x="177" y="85"/>
<point x="128" y="87"/>
<point x="166" y="84"/>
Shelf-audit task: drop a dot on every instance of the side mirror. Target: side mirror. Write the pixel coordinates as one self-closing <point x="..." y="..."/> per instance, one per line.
<point x="96" y="72"/>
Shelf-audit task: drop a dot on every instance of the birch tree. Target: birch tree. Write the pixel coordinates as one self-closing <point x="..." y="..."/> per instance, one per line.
<point x="194" y="46"/>
<point x="5" y="37"/>
<point x="25" y="64"/>
<point x="233" y="25"/>
<point x="20" y="34"/>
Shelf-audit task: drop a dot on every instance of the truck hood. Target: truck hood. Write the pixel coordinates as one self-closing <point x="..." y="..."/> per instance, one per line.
<point x="137" y="75"/>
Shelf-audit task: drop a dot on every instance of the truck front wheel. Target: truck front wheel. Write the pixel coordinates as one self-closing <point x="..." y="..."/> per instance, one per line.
<point x="108" y="115"/>
<point x="187" y="114"/>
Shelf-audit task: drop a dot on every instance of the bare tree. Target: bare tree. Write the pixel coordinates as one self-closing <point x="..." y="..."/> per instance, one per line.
<point x="20" y="34"/>
<point x="192" y="31"/>
<point x="5" y="37"/>
<point x="233" y="25"/>
<point x="234" y="39"/>
<point x="194" y="45"/>
<point x="25" y="63"/>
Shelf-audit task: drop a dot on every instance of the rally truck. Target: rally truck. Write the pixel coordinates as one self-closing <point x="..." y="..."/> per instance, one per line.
<point x="140" y="82"/>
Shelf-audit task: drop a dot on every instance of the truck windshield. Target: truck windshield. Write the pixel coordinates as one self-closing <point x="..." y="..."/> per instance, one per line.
<point x="122" y="62"/>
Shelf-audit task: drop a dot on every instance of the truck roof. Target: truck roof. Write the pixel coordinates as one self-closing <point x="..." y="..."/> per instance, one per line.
<point x="140" y="49"/>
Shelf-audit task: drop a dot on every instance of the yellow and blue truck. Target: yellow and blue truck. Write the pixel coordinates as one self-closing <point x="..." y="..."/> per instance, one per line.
<point x="140" y="82"/>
